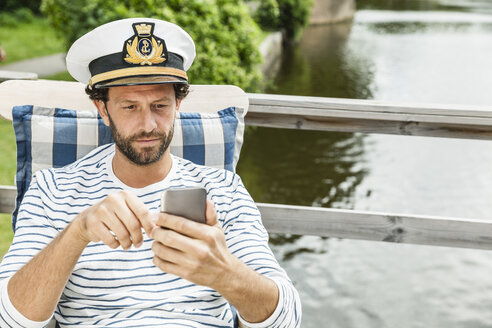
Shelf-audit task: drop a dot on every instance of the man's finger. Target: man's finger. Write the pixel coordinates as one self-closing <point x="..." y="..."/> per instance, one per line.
<point x="131" y="223"/>
<point x="103" y="234"/>
<point x="141" y="212"/>
<point x="170" y="254"/>
<point x="210" y="213"/>
<point x="116" y="226"/>
<point x="174" y="239"/>
<point x="180" y="224"/>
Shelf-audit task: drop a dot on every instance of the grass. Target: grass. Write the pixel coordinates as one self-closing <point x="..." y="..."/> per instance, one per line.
<point x="6" y="233"/>
<point x="7" y="174"/>
<point x="8" y="160"/>
<point x="63" y="76"/>
<point x="29" y="40"/>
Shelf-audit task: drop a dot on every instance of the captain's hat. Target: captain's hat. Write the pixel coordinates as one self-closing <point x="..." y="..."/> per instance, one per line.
<point x="132" y="51"/>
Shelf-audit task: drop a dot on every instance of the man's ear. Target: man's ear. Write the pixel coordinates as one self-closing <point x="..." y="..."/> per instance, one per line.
<point x="178" y="103"/>
<point x="101" y="108"/>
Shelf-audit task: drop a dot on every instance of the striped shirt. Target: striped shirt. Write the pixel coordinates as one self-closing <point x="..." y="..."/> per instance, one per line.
<point x="117" y="288"/>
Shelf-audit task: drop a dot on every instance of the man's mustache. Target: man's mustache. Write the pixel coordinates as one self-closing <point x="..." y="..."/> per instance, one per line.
<point x="151" y="134"/>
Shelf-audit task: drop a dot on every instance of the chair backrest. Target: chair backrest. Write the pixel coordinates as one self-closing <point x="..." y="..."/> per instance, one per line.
<point x="64" y="94"/>
<point x="41" y="123"/>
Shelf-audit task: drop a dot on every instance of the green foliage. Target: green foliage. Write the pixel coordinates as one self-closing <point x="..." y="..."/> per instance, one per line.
<point x="268" y="15"/>
<point x="294" y="15"/>
<point x="290" y="15"/>
<point x="16" y="17"/>
<point x="13" y="5"/>
<point x="225" y="35"/>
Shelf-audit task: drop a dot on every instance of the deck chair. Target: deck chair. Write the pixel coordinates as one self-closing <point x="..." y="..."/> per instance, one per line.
<point x="56" y="123"/>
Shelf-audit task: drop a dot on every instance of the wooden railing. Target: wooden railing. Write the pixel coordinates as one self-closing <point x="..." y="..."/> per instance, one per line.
<point x="368" y="116"/>
<point x="329" y="114"/>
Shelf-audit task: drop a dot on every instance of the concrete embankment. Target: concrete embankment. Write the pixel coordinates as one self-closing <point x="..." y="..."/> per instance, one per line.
<point x="271" y="52"/>
<point x="331" y="11"/>
<point x="322" y="12"/>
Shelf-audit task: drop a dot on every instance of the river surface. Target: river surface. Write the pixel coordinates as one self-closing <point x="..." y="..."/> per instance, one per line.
<point x="403" y="51"/>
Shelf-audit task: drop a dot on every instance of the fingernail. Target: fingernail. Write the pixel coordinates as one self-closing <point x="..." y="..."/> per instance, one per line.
<point x="152" y="233"/>
<point x="139" y="244"/>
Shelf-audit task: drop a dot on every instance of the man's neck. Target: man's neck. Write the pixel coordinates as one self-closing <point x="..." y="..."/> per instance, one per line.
<point x="139" y="176"/>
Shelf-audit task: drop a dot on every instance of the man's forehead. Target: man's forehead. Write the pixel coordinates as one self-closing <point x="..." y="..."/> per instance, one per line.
<point x="156" y="91"/>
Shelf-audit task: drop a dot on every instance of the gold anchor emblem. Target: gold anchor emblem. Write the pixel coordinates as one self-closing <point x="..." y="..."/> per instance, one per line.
<point x="145" y="48"/>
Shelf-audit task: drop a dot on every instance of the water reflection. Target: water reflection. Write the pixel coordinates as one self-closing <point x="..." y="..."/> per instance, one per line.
<point x="319" y="63"/>
<point x="301" y="168"/>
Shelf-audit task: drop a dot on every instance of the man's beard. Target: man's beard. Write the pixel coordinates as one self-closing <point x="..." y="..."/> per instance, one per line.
<point x="148" y="155"/>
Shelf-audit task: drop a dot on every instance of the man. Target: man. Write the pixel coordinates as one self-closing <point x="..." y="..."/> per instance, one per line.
<point x="79" y="250"/>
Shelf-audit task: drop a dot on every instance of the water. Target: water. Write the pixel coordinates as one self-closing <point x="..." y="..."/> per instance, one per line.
<point x="403" y="51"/>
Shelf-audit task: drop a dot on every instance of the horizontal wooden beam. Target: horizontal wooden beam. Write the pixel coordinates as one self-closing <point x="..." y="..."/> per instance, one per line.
<point x="369" y="116"/>
<point x="7" y="198"/>
<point x="13" y="75"/>
<point x="327" y="222"/>
<point x="388" y="227"/>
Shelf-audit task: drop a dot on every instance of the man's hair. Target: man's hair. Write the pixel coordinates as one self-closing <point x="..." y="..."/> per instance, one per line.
<point x="180" y="91"/>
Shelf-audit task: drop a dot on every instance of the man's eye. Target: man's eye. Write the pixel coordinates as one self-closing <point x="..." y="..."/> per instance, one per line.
<point x="130" y="107"/>
<point x="160" y="106"/>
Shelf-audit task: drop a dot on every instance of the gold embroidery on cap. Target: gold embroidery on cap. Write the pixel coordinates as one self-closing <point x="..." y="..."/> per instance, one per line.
<point x="144" y="49"/>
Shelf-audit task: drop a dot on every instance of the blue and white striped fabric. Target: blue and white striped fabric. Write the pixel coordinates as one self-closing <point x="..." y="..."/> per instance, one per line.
<point x="116" y="288"/>
<point x="54" y="137"/>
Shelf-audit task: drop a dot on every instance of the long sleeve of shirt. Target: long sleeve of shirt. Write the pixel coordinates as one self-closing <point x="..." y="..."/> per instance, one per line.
<point x="34" y="233"/>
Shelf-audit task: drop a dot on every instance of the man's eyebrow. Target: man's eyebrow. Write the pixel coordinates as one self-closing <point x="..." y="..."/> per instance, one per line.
<point x="123" y="100"/>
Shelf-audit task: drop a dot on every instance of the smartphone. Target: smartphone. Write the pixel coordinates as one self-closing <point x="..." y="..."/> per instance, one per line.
<point x="186" y="202"/>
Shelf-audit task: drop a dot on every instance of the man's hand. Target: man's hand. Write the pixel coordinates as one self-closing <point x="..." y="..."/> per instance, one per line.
<point x="116" y="221"/>
<point x="191" y="250"/>
<point x="198" y="253"/>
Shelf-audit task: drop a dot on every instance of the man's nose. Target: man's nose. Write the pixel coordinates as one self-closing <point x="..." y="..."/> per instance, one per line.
<point x="148" y="122"/>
